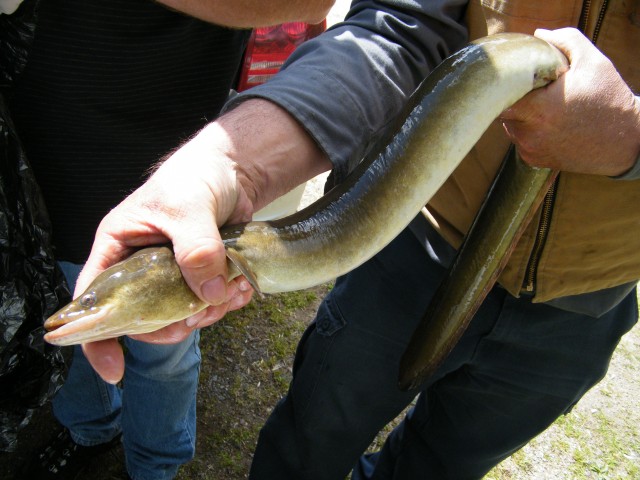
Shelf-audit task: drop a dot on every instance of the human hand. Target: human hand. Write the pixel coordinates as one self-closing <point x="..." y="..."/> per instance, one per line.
<point x="185" y="200"/>
<point x="587" y="121"/>
<point x="233" y="167"/>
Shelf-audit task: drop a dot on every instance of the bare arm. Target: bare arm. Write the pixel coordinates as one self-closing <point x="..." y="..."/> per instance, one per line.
<point x="253" y="13"/>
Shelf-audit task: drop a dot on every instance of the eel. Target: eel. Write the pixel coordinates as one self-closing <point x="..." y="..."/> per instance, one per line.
<point x="481" y="258"/>
<point x="444" y="118"/>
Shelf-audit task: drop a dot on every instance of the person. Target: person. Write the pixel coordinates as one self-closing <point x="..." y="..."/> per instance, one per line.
<point x="537" y="343"/>
<point x="108" y="89"/>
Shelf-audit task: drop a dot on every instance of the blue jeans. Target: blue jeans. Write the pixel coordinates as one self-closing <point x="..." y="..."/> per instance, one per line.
<point x="155" y="410"/>
<point x="517" y="368"/>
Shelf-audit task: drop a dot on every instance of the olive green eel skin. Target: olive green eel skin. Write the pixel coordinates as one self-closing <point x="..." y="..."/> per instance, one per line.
<point x="355" y="220"/>
<point x="479" y="261"/>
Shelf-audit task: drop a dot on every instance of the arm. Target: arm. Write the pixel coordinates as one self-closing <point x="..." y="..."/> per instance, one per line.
<point x="253" y="13"/>
<point x="221" y="176"/>
<point x="257" y="150"/>
<point x="587" y="122"/>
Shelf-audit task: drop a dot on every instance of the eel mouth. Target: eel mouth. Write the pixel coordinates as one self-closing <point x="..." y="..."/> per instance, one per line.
<point x="76" y="327"/>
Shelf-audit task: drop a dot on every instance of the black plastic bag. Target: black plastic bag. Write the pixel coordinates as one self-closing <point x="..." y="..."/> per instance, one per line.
<point x="16" y="34"/>
<point x="32" y="287"/>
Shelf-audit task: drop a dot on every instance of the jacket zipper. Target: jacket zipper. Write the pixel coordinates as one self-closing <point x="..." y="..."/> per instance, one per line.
<point x="584" y="18"/>
<point x="530" y="278"/>
<point x="541" y="237"/>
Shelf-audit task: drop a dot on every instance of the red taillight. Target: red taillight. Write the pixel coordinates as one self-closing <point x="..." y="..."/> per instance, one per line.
<point x="269" y="47"/>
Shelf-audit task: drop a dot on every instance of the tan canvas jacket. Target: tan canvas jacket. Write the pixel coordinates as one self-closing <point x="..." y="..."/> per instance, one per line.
<point x="593" y="237"/>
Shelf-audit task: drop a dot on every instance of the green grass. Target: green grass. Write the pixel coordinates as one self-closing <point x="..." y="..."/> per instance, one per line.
<point x="246" y="369"/>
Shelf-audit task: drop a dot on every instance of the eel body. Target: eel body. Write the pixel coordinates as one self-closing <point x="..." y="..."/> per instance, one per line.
<point x="478" y="263"/>
<point x="355" y="220"/>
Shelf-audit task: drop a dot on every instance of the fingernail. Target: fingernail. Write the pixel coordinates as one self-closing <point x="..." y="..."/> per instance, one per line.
<point x="193" y="320"/>
<point x="244" y="286"/>
<point x="214" y="291"/>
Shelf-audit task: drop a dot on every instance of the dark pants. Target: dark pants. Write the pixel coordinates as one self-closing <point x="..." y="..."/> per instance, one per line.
<point x="517" y="368"/>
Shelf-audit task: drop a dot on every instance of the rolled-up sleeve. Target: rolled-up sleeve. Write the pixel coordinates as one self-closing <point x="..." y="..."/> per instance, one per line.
<point x="346" y="85"/>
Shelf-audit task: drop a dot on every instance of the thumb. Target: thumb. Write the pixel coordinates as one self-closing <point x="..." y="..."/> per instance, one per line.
<point x="201" y="256"/>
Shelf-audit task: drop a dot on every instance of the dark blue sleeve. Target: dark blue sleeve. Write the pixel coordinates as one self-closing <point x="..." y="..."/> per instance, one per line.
<point x="347" y="84"/>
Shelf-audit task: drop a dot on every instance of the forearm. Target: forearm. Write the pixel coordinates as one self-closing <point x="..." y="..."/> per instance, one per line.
<point x="252" y="13"/>
<point x="271" y="151"/>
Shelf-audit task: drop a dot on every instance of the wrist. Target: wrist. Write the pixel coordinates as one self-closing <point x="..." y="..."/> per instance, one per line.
<point x="204" y="174"/>
<point x="272" y="152"/>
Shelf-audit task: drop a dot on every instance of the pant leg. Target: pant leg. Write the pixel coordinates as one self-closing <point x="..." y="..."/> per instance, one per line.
<point x="85" y="404"/>
<point x="159" y="407"/>
<point x="346" y="368"/>
<point x="533" y="366"/>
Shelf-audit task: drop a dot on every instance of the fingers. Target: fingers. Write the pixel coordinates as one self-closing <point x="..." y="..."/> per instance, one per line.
<point x="173" y="333"/>
<point x="535" y="105"/>
<point x="240" y="293"/>
<point x="584" y="122"/>
<point x="202" y="260"/>
<point x="106" y="358"/>
<point x="532" y="122"/>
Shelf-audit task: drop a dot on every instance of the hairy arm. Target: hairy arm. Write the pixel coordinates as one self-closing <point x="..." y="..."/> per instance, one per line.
<point x="253" y="13"/>
<point x="346" y="85"/>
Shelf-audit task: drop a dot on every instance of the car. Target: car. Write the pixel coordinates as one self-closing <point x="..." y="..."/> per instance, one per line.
<point x="267" y="50"/>
<point x="269" y="47"/>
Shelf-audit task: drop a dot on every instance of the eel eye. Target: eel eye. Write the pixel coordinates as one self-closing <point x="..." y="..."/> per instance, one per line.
<point x="88" y="300"/>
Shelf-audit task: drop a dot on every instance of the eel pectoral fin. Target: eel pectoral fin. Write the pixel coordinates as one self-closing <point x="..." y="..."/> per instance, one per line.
<point x="239" y="266"/>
